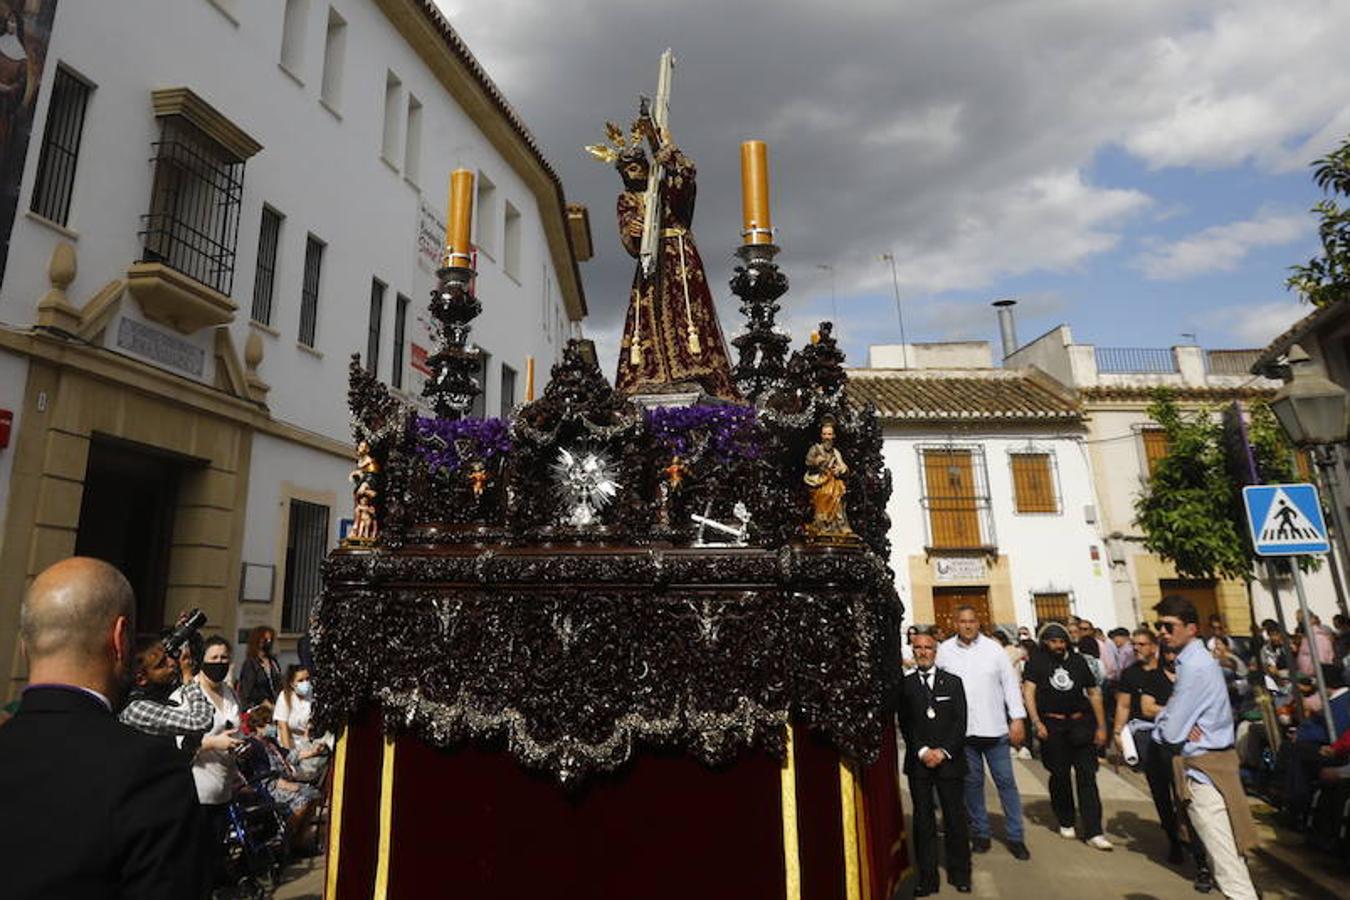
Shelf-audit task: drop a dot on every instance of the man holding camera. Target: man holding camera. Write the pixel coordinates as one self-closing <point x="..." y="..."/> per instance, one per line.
<point x="92" y="808"/>
<point x="150" y="707"/>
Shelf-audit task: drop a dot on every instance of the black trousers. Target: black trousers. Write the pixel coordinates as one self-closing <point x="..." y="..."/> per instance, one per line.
<point x="1068" y="746"/>
<point x="955" y="826"/>
<point x="1158" y="771"/>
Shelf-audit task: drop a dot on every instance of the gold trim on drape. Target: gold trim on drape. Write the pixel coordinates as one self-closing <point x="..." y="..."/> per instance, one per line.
<point x="335" y="815"/>
<point x="792" y="860"/>
<point x="386" y="819"/>
<point x="848" y="811"/>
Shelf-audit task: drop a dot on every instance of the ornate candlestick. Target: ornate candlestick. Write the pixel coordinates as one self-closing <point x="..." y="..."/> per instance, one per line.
<point x="455" y="364"/>
<point x="759" y="283"/>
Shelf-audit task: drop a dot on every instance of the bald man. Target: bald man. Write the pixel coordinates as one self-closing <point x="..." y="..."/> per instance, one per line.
<point x="91" y="808"/>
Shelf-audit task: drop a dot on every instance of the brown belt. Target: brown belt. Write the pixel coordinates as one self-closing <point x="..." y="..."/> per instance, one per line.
<point x="1077" y="715"/>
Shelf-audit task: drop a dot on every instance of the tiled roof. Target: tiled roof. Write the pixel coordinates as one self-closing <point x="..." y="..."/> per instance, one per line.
<point x="1216" y="394"/>
<point x="1294" y="333"/>
<point x="946" y="395"/>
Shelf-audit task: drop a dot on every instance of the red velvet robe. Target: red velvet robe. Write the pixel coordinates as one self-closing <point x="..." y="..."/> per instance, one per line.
<point x="673" y="297"/>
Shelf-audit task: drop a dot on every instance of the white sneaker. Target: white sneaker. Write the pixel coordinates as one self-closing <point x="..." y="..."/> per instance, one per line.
<point x="1099" y="842"/>
<point x="1023" y="753"/>
<point x="1068" y="834"/>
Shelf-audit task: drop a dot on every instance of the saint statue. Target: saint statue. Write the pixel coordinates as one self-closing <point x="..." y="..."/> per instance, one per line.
<point x="825" y="471"/>
<point x="672" y="337"/>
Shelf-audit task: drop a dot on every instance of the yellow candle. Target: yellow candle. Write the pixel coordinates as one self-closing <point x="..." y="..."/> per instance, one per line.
<point x="461" y="217"/>
<point x="529" y="379"/>
<point x="756" y="224"/>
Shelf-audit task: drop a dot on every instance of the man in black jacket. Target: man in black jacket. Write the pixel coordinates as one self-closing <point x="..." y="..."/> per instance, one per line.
<point x="91" y="808"/>
<point x="933" y="719"/>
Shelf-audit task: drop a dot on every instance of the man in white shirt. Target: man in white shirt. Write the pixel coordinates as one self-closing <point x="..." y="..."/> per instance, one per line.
<point x="993" y="697"/>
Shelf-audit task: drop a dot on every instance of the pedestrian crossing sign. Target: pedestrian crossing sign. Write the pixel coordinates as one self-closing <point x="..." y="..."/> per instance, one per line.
<point x="1285" y="519"/>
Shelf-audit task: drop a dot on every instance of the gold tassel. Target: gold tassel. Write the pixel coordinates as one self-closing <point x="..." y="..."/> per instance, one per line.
<point x="694" y="346"/>
<point x="635" y="353"/>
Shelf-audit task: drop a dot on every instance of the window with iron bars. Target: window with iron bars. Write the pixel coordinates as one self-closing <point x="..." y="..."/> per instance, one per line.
<point x="264" y="279"/>
<point x="193" y="223"/>
<point x="309" y="290"/>
<point x="1052" y="606"/>
<point x="306" y="544"/>
<point x="1035" y="482"/>
<point x="400" y="333"/>
<point x="55" y="181"/>
<point x="956" y="497"/>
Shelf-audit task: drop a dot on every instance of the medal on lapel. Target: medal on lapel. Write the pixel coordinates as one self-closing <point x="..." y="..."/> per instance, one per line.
<point x="931" y="713"/>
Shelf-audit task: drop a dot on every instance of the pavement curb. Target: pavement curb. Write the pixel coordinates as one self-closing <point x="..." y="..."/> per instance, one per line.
<point x="1288" y="852"/>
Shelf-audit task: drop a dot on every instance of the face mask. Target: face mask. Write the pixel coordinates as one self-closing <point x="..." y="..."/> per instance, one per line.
<point x="267" y="647"/>
<point x="216" y="671"/>
<point x="304" y="689"/>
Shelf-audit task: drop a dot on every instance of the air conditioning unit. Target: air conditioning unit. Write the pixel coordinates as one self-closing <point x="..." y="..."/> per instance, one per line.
<point x="1090" y="514"/>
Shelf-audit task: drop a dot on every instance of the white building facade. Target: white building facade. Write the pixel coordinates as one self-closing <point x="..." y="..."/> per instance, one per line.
<point x="219" y="203"/>
<point x="993" y="501"/>
<point x="1115" y="387"/>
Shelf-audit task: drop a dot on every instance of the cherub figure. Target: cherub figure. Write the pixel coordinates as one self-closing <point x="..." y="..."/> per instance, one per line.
<point x="675" y="473"/>
<point x="478" y="479"/>
<point x="365" y="529"/>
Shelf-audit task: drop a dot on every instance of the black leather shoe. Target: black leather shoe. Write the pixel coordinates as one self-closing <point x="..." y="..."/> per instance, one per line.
<point x="962" y="888"/>
<point x="924" y="890"/>
<point x="980" y="844"/>
<point x="1019" y="850"/>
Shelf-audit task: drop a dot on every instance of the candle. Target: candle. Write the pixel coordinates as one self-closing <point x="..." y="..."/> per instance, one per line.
<point x="461" y="216"/>
<point x="529" y="379"/>
<point x="757" y="226"/>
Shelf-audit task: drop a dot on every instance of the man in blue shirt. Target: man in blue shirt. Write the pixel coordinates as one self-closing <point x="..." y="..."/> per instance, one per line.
<point x="1198" y="720"/>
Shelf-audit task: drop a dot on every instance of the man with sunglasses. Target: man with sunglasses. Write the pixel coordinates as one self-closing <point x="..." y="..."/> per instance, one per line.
<point x="1197" y="723"/>
<point x="1144" y="691"/>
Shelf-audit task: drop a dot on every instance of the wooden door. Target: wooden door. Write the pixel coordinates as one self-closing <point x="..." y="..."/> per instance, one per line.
<point x="947" y="599"/>
<point x="953" y="514"/>
<point x="1201" y="592"/>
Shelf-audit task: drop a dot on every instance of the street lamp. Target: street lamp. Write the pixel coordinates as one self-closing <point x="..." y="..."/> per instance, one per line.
<point x="1312" y="409"/>
<point x="1310" y="406"/>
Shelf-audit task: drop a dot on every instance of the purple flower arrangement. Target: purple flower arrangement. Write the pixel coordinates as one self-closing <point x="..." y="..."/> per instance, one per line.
<point x="448" y="443"/>
<point x="730" y="431"/>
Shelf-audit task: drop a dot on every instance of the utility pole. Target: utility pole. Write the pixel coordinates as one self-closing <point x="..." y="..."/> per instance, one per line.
<point x="834" y="303"/>
<point x="899" y="313"/>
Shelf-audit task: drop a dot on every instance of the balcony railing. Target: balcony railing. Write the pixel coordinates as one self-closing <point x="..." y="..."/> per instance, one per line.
<point x="1230" y="362"/>
<point x="1135" y="360"/>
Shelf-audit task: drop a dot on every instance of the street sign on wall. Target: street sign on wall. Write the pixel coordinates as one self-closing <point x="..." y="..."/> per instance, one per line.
<point x="1285" y="519"/>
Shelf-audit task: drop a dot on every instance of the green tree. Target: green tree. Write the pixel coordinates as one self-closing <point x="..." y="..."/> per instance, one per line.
<point x="1191" y="510"/>
<point x="1325" y="279"/>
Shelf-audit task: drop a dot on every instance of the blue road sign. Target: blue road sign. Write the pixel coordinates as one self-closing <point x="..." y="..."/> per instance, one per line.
<point x="1285" y="519"/>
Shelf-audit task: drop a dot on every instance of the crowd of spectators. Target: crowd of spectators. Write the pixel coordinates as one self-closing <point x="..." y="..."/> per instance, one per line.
<point x="1286" y="752"/>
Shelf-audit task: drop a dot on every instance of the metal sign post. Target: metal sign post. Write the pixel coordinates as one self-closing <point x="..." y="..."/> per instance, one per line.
<point x="1286" y="520"/>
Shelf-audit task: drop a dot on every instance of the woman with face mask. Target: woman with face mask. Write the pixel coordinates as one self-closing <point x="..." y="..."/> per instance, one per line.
<point x="260" y="675"/>
<point x="213" y="765"/>
<point x="292" y="721"/>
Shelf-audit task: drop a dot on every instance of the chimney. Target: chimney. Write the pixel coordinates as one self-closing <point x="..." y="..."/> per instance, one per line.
<point x="1006" y="326"/>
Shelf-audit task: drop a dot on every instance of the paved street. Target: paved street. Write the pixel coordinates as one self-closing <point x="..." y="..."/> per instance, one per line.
<point x="1071" y="870"/>
<point x="1058" y="869"/>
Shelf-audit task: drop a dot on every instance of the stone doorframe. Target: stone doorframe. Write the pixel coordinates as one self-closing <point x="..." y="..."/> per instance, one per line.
<point x="74" y="393"/>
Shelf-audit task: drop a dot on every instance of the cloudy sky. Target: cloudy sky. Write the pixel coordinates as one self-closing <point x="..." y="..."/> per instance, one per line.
<point x="1137" y="170"/>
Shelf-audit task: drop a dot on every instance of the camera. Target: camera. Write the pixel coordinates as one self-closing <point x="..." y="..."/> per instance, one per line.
<point x="174" y="641"/>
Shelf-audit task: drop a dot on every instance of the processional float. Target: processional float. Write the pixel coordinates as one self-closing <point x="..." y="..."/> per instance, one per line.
<point x="637" y="641"/>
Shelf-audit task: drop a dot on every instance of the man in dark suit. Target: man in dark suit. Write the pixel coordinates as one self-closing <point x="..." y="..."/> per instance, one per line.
<point x="933" y="721"/>
<point x="92" y="808"/>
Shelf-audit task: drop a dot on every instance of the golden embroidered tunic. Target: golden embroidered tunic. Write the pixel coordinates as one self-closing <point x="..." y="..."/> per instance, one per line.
<point x="671" y="312"/>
